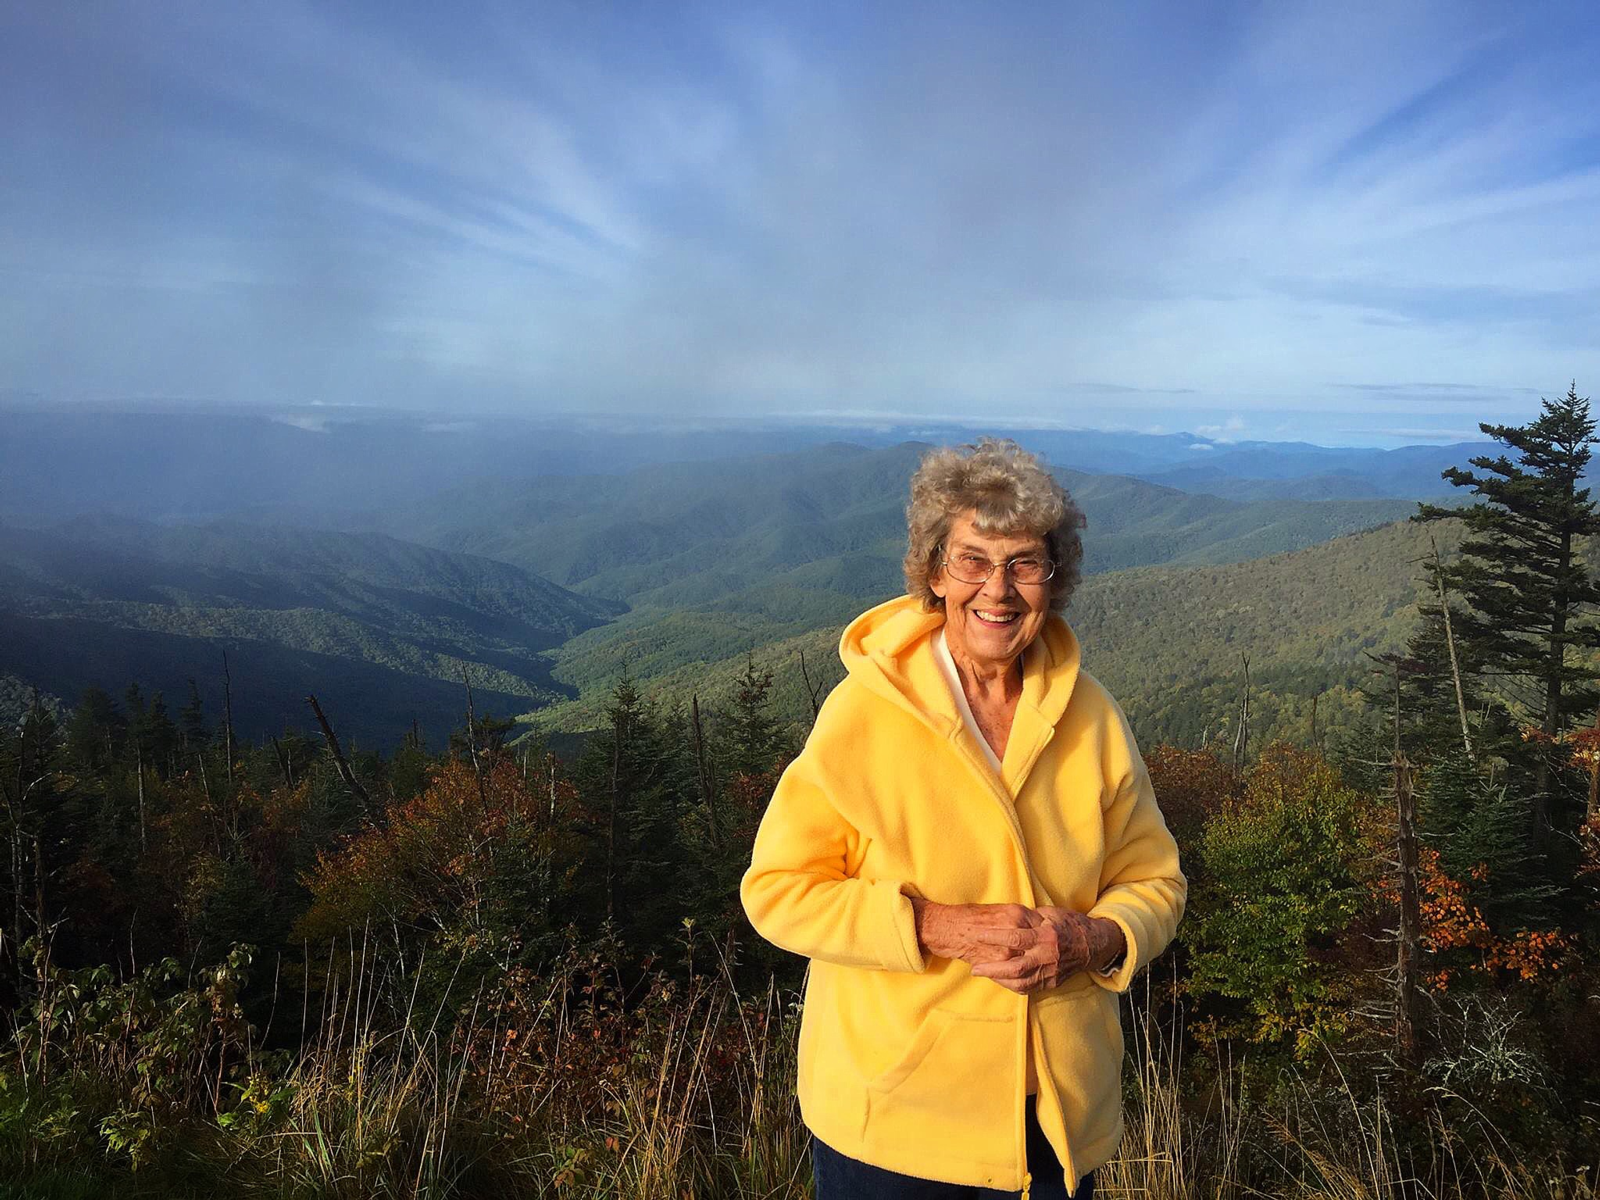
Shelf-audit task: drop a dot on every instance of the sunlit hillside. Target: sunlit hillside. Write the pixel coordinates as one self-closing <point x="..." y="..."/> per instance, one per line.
<point x="1168" y="641"/>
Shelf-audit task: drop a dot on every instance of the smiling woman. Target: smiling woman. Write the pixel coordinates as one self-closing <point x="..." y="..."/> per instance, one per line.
<point x="970" y="853"/>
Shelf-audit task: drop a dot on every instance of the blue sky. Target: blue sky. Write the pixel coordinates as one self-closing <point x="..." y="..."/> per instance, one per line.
<point x="1351" y="224"/>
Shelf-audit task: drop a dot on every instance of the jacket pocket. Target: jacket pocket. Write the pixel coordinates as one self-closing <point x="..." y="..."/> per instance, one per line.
<point x="1081" y="1032"/>
<point x="953" y="1090"/>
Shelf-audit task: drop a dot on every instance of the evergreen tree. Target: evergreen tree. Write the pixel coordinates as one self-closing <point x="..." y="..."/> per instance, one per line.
<point x="1484" y="842"/>
<point x="95" y="729"/>
<point x="158" y="736"/>
<point x="192" y="721"/>
<point x="1519" y="570"/>
<point x="634" y="787"/>
<point x="410" y="767"/>
<point x="753" y="742"/>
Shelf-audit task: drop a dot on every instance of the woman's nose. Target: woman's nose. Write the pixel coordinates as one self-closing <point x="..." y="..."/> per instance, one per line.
<point x="999" y="584"/>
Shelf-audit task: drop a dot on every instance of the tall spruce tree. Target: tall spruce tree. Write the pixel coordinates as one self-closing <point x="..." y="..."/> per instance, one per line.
<point x="633" y="781"/>
<point x="1521" y="574"/>
<point x="754" y="742"/>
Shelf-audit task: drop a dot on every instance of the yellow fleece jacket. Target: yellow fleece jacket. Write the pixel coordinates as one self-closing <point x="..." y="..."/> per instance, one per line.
<point x="909" y="1062"/>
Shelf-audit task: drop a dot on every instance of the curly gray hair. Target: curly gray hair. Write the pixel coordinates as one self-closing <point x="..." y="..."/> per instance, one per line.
<point x="1010" y="493"/>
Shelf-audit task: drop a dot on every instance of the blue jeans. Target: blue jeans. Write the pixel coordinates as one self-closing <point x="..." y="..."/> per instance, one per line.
<point x="841" y="1178"/>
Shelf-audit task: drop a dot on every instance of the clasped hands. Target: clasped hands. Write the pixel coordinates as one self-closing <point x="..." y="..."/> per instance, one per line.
<point x="1020" y="948"/>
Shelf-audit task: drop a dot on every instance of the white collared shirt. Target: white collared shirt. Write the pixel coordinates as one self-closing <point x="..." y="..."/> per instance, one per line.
<point x="947" y="664"/>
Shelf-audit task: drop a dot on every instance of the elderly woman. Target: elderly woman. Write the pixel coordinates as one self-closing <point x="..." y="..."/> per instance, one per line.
<point x="970" y="853"/>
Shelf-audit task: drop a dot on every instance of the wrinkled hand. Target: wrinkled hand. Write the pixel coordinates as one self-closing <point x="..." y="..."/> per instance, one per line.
<point x="975" y="933"/>
<point x="1064" y="942"/>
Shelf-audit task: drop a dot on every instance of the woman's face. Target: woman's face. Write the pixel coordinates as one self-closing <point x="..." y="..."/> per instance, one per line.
<point x="990" y="623"/>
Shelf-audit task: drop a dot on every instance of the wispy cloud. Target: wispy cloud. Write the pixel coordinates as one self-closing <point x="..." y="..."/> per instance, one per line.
<point x="1092" y="215"/>
<point x="1481" y="395"/>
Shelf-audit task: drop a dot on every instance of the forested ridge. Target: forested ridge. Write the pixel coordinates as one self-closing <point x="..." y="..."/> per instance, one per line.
<point x="495" y="964"/>
<point x="1170" y="642"/>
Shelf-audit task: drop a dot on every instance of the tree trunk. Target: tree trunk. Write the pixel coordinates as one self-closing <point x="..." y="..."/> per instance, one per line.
<point x="138" y="750"/>
<point x="1450" y="644"/>
<point x="345" y="773"/>
<point x="1410" y="949"/>
<point x="1551" y="724"/>
<point x="1592" y="809"/>
<point x="550" y="833"/>
<point x="16" y="894"/>
<point x="472" y="742"/>
<point x="38" y="886"/>
<point x="1241" y="737"/>
<point x="611" y="823"/>
<point x="813" y="691"/>
<point x="227" y="712"/>
<point x="702" y="766"/>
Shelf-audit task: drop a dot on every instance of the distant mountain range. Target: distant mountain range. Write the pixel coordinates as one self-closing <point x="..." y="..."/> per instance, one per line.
<point x="371" y="557"/>
<point x="381" y="629"/>
<point x="829" y="518"/>
<point x="301" y="465"/>
<point x="1267" y="470"/>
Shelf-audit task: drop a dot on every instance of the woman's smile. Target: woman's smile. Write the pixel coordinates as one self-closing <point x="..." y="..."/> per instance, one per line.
<point x="988" y="624"/>
<point x="993" y="617"/>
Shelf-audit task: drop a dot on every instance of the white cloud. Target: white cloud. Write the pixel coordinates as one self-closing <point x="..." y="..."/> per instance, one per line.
<point x="1225" y="432"/>
<point x="309" y="424"/>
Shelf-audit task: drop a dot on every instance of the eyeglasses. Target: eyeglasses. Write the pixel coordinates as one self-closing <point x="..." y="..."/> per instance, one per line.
<point x="975" y="568"/>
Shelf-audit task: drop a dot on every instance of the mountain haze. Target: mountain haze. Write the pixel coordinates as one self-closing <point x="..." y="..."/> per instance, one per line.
<point x="381" y="629"/>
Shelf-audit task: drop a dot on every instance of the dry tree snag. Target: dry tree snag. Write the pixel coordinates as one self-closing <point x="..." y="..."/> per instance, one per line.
<point x="345" y="773"/>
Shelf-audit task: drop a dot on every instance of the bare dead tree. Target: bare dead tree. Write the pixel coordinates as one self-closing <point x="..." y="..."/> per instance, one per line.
<point x="551" y="766"/>
<point x="38" y="887"/>
<point x="611" y="818"/>
<point x="1241" y="737"/>
<point x="227" y="712"/>
<point x="1316" y="740"/>
<point x="702" y="765"/>
<point x="813" y="691"/>
<point x="1410" y="947"/>
<point x="472" y="741"/>
<point x="1450" y="644"/>
<point x="345" y="773"/>
<point x="138" y="766"/>
<point x="283" y="762"/>
<point x="205" y="782"/>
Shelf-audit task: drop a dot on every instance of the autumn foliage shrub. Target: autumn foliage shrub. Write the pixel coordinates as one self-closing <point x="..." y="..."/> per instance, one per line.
<point x="472" y="872"/>
<point x="1286" y="870"/>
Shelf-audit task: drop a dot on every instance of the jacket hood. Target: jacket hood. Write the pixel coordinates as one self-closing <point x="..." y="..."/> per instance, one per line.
<point x="889" y="650"/>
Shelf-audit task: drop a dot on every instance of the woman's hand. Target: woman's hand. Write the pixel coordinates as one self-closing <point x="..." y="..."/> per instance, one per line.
<point x="975" y="933"/>
<point x="1064" y="942"/>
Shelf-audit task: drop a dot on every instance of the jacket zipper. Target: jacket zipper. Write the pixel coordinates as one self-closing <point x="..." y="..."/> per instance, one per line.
<point x="997" y="790"/>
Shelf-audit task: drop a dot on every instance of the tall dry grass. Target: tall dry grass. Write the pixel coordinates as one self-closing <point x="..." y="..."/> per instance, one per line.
<point x="575" y="1083"/>
<point x="1310" y="1133"/>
